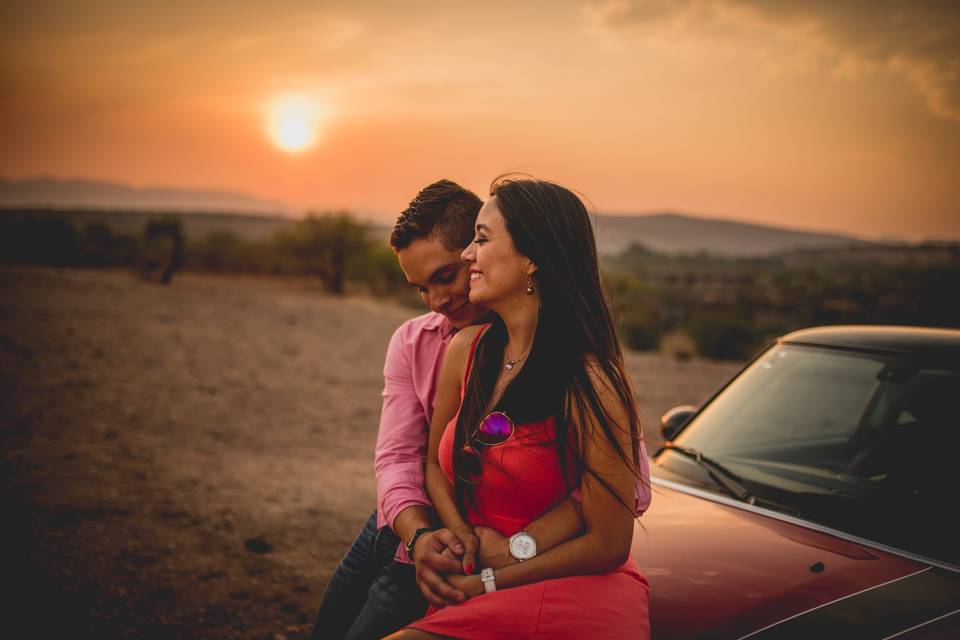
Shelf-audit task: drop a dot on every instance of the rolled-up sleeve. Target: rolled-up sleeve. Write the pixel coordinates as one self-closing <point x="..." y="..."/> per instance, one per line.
<point x="402" y="436"/>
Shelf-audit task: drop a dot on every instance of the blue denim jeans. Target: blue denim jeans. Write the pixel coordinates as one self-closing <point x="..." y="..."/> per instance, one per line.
<point x="369" y="595"/>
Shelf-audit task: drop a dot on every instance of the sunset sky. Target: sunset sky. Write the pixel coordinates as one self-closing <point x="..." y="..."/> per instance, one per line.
<point x="813" y="114"/>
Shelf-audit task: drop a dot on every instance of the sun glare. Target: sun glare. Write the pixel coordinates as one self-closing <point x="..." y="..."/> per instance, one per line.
<point x="292" y="122"/>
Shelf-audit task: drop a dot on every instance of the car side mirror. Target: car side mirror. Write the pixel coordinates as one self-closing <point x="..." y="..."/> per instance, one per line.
<point x="674" y="420"/>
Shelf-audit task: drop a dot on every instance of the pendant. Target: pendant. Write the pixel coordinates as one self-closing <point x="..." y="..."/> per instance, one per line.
<point x="509" y="365"/>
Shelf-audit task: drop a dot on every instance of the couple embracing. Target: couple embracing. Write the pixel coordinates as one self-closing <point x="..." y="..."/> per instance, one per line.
<point x="510" y="462"/>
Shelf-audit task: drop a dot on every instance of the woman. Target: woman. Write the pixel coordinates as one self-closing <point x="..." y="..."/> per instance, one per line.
<point x="545" y="409"/>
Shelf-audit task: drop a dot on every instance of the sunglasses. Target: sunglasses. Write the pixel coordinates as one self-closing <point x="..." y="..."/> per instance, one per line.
<point x="494" y="430"/>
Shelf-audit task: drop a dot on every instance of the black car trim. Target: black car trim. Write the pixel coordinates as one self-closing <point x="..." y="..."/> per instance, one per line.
<point x="923" y="624"/>
<point x="730" y="502"/>
<point x="895" y="606"/>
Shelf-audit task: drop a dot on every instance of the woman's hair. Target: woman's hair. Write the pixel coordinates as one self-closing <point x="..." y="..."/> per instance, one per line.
<point x="550" y="225"/>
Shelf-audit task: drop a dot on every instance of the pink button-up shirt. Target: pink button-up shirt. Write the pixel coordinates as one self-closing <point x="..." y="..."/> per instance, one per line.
<point x="410" y="375"/>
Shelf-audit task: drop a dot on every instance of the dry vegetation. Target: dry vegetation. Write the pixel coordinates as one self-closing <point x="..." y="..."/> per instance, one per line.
<point x="190" y="461"/>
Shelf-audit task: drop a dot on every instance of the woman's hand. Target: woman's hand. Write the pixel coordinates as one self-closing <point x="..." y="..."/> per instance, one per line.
<point x="471" y="586"/>
<point x="470" y="543"/>
<point x="437" y="553"/>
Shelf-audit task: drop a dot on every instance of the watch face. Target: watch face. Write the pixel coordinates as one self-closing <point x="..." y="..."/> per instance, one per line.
<point x="523" y="546"/>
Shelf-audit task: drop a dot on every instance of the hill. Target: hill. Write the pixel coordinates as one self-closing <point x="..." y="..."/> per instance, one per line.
<point x="674" y="233"/>
<point x="91" y="194"/>
<point x="125" y="209"/>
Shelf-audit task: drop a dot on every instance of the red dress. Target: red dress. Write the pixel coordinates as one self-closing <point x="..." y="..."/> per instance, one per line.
<point x="521" y="480"/>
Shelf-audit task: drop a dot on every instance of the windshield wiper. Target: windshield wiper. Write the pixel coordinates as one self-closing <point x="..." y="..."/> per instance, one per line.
<point x="717" y="472"/>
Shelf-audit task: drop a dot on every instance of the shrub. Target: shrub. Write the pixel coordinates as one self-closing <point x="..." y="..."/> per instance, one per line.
<point x="724" y="337"/>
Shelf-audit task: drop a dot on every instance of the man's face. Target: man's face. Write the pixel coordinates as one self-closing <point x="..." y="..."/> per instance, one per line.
<point x="442" y="278"/>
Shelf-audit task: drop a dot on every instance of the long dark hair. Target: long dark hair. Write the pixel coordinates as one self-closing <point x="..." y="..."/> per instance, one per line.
<point x="550" y="225"/>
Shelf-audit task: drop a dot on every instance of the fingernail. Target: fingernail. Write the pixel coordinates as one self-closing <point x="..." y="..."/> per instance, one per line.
<point x="469" y="569"/>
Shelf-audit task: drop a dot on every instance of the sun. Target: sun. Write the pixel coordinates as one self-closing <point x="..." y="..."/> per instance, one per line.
<point x="292" y="122"/>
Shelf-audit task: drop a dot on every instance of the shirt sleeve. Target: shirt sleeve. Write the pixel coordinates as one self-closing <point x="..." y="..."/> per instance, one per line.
<point x="402" y="437"/>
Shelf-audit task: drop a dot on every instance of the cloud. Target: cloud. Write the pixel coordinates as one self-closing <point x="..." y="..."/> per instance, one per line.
<point x="848" y="39"/>
<point x="157" y="50"/>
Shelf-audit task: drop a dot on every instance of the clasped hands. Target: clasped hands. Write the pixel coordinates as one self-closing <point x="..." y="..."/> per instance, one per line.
<point x="446" y="560"/>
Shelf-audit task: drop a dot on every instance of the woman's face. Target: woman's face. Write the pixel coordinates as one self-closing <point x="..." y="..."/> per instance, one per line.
<point x="498" y="272"/>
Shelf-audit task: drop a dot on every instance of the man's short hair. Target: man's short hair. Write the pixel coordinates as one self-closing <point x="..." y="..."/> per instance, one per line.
<point x="444" y="210"/>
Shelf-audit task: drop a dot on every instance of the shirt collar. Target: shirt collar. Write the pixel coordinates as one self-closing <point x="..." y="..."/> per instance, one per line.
<point x="442" y="324"/>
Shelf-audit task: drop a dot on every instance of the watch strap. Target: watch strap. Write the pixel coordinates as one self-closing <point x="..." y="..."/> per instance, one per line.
<point x="488" y="579"/>
<point x="413" y="540"/>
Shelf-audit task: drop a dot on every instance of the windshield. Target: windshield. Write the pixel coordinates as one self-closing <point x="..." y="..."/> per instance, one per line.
<point x="859" y="442"/>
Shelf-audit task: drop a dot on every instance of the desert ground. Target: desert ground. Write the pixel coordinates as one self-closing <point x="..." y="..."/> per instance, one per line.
<point x="191" y="461"/>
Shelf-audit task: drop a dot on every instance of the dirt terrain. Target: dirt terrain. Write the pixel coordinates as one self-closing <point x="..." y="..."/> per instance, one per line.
<point x="191" y="461"/>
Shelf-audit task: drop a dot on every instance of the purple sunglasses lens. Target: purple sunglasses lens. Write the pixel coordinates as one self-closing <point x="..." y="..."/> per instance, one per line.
<point x="495" y="428"/>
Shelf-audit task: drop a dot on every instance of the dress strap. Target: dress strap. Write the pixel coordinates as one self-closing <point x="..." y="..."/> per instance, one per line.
<point x="473" y="349"/>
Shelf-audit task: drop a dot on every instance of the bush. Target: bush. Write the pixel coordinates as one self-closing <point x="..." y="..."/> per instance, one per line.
<point x="641" y="328"/>
<point x="724" y="337"/>
<point x="382" y="273"/>
<point x="635" y="310"/>
<point x="225" y="252"/>
<point x="39" y="240"/>
<point x="98" y="247"/>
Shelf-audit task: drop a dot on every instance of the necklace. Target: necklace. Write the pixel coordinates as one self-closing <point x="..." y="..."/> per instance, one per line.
<point x="512" y="363"/>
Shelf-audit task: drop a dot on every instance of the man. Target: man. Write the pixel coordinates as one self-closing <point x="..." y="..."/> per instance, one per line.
<point x="374" y="591"/>
<point x="377" y="589"/>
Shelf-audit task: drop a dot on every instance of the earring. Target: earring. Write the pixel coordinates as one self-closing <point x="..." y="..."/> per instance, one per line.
<point x="530" y="290"/>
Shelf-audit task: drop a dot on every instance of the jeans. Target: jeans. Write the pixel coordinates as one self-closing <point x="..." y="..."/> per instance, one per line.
<point x="369" y="595"/>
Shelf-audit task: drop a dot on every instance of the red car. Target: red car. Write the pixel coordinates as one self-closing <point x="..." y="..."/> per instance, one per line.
<point x="814" y="496"/>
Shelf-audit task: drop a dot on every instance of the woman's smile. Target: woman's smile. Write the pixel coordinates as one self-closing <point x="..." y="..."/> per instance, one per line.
<point x="495" y="261"/>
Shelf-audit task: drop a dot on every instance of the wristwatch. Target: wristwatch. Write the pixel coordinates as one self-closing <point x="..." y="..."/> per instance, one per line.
<point x="489" y="584"/>
<point x="413" y="540"/>
<point x="523" y="546"/>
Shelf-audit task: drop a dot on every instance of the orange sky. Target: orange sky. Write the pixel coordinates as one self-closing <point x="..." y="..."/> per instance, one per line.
<point x="841" y="116"/>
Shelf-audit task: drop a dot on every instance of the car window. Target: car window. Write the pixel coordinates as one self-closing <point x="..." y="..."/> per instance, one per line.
<point x="789" y="395"/>
<point x="860" y="442"/>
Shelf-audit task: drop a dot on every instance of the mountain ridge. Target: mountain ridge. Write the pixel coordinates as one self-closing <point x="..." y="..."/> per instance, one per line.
<point x="665" y="232"/>
<point x="40" y="192"/>
<point x="678" y="233"/>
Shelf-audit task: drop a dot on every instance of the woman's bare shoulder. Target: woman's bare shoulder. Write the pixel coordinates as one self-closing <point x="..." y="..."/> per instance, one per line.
<point x="459" y="349"/>
<point x="462" y="340"/>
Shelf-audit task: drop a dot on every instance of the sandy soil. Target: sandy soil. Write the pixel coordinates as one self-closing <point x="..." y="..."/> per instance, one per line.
<point x="191" y="461"/>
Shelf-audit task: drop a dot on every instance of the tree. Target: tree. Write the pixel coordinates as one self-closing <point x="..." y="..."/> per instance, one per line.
<point x="327" y="246"/>
<point x="163" y="248"/>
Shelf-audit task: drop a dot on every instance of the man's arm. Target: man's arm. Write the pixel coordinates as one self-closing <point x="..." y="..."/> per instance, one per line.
<point x="399" y="464"/>
<point x="401" y="445"/>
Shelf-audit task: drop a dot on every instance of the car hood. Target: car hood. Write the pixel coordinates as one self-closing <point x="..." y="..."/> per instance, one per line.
<point x="720" y="571"/>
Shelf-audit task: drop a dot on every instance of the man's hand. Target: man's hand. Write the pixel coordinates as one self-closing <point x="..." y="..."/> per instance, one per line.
<point x="430" y="562"/>
<point x="494" y="551"/>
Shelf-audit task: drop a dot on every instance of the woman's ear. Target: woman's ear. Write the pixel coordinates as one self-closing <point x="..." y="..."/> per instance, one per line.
<point x="531" y="268"/>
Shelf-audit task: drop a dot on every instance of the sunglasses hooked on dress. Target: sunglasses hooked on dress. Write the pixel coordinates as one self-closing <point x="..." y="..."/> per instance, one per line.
<point x="493" y="431"/>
